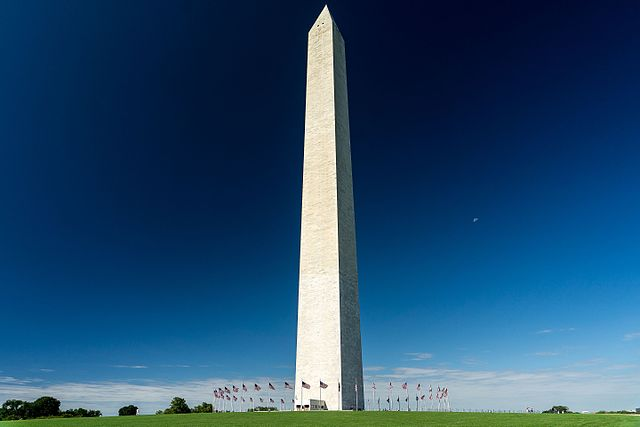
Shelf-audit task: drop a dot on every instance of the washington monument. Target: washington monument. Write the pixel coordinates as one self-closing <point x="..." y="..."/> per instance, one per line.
<point x="328" y="345"/>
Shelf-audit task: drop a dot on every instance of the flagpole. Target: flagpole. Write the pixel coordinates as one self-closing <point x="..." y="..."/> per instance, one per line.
<point x="320" y="392"/>
<point x="407" y="397"/>
<point x="374" y="395"/>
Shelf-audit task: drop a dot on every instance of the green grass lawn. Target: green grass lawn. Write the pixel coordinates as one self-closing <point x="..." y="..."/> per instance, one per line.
<point x="340" y="418"/>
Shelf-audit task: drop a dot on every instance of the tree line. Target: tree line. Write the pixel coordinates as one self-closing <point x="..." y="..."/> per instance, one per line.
<point x="42" y="407"/>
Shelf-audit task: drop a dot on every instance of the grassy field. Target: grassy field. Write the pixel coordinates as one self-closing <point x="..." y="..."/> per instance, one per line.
<point x="340" y="418"/>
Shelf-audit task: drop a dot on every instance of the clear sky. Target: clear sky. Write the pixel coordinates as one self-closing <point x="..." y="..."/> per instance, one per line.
<point x="150" y="191"/>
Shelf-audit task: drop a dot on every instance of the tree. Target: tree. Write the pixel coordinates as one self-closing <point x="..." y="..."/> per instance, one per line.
<point x="203" y="407"/>
<point x="128" y="410"/>
<point x="45" y="406"/>
<point x="81" y="412"/>
<point x="14" y="409"/>
<point x="557" y="409"/>
<point x="178" y="406"/>
<point x="264" y="409"/>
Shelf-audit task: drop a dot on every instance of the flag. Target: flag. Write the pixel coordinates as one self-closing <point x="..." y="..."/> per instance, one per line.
<point x="305" y="385"/>
<point x="388" y="401"/>
<point x="251" y="399"/>
<point x="282" y="401"/>
<point x="235" y="389"/>
<point x="445" y="393"/>
<point x="390" y="385"/>
<point x="373" y="386"/>
<point x="323" y="385"/>
<point x="417" y="397"/>
<point x="226" y="390"/>
<point x="244" y="387"/>
<point x="422" y="397"/>
<point x="430" y="396"/>
<point x="271" y="386"/>
<point x="287" y="385"/>
<point x="418" y="388"/>
<point x="271" y="400"/>
<point x="429" y="388"/>
<point x="406" y="399"/>
<point x="398" y="399"/>
<point x="228" y="398"/>
<point x="242" y="398"/>
<point x="235" y="399"/>
<point x="256" y="387"/>
<point x="404" y="386"/>
<point x="261" y="400"/>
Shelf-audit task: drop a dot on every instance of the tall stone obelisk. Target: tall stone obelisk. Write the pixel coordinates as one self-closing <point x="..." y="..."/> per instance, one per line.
<point x="328" y="346"/>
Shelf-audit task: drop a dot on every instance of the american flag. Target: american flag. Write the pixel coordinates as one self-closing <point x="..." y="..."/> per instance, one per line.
<point x="422" y="397"/>
<point x="226" y="390"/>
<point x="235" y="389"/>
<point x="244" y="387"/>
<point x="242" y="398"/>
<point x="215" y="393"/>
<point x="305" y="385"/>
<point x="251" y="399"/>
<point x="287" y="385"/>
<point x="282" y="401"/>
<point x="418" y="387"/>
<point x="429" y="388"/>
<point x="373" y="386"/>
<point x="261" y="400"/>
<point x="228" y="398"/>
<point x="235" y="398"/>
<point x="323" y="385"/>
<point x="271" y="400"/>
<point x="271" y="386"/>
<point x="256" y="387"/>
<point x="390" y="385"/>
<point x="445" y="393"/>
<point x="404" y="386"/>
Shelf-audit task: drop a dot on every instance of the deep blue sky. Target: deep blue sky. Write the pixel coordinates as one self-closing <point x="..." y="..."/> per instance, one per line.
<point x="150" y="190"/>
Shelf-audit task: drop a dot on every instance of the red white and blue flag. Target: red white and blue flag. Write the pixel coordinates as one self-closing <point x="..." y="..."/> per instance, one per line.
<point x="305" y="385"/>
<point x="323" y="385"/>
<point x="256" y="387"/>
<point x="287" y="385"/>
<point x="404" y="386"/>
<point x="271" y="386"/>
